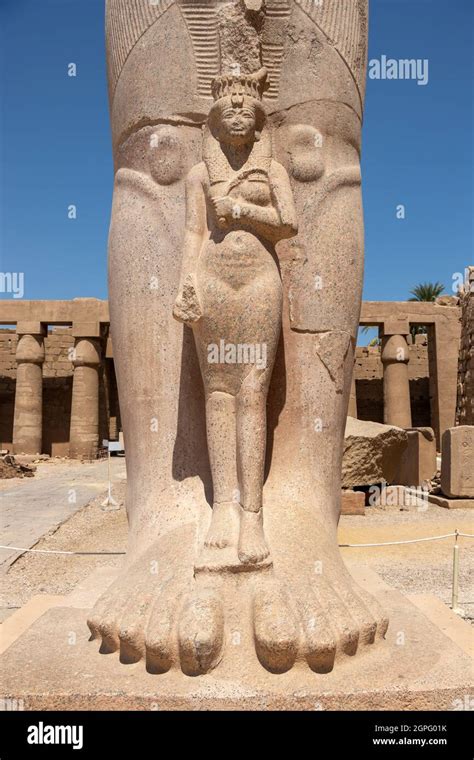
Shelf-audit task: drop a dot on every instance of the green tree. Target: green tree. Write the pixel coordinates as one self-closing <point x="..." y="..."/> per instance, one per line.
<point x="425" y="291"/>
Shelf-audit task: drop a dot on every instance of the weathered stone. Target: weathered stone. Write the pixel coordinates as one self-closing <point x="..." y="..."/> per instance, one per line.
<point x="418" y="461"/>
<point x="457" y="462"/>
<point x="431" y="671"/>
<point x="84" y="434"/>
<point x="396" y="387"/>
<point x="352" y="502"/>
<point x="447" y="503"/>
<point x="372" y="452"/>
<point x="235" y="190"/>
<point x="28" y="420"/>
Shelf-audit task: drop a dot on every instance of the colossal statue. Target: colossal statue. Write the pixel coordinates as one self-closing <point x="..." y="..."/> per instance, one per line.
<point x="235" y="266"/>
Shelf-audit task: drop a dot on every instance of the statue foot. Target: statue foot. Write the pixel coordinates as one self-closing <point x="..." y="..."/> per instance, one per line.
<point x="201" y="632"/>
<point x="276" y="633"/>
<point x="252" y="546"/>
<point x="223" y="524"/>
<point x="167" y="621"/>
<point x="319" y="620"/>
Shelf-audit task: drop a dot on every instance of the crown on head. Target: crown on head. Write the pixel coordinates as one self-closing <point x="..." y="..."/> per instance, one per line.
<point x="252" y="85"/>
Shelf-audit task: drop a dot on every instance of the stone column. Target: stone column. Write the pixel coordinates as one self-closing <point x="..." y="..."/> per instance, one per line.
<point x="84" y="431"/>
<point x="28" y="419"/>
<point x="396" y="386"/>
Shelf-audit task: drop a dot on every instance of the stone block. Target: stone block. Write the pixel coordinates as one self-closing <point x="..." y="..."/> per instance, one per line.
<point x="30" y="328"/>
<point x="397" y="325"/>
<point x="60" y="449"/>
<point x="372" y="453"/>
<point x="418" y="461"/>
<point x="85" y="330"/>
<point x="352" y="503"/>
<point x="443" y="501"/>
<point x="457" y="462"/>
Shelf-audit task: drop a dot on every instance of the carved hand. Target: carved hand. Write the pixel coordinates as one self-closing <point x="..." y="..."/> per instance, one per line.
<point x="226" y="208"/>
<point x="187" y="308"/>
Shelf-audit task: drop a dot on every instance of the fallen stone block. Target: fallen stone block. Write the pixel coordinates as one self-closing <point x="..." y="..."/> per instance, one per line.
<point x="372" y="453"/>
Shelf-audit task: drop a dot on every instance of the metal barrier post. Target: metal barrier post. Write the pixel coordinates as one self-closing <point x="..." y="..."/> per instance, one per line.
<point x="455" y="595"/>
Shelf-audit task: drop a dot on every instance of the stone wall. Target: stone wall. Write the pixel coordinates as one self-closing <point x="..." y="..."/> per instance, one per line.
<point x="465" y="398"/>
<point x="368" y="373"/>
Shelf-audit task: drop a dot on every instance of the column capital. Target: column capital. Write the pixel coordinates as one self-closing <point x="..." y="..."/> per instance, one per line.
<point x="87" y="352"/>
<point x="30" y="348"/>
<point x="395" y="349"/>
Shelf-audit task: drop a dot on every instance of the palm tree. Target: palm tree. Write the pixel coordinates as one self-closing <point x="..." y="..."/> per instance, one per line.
<point x="427" y="291"/>
<point x="375" y="341"/>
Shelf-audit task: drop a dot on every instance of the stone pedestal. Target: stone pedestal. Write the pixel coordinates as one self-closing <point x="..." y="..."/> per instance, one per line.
<point x="423" y="665"/>
<point x="28" y="419"/>
<point x="396" y="386"/>
<point x="84" y="432"/>
<point x="418" y="461"/>
<point x="457" y="462"/>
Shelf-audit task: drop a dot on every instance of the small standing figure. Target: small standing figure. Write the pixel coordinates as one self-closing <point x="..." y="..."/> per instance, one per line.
<point x="239" y="204"/>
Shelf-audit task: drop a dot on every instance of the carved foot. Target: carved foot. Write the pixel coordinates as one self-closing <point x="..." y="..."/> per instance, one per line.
<point x="339" y="618"/>
<point x="221" y="531"/>
<point x="317" y="620"/>
<point x="276" y="633"/>
<point x="166" y="621"/>
<point x="201" y="633"/>
<point x="252" y="546"/>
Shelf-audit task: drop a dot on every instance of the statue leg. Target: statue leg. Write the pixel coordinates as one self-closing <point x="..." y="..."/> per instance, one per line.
<point x="221" y="441"/>
<point x="251" y="444"/>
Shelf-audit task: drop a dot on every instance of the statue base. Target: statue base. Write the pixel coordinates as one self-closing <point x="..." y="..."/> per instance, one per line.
<point x="424" y="664"/>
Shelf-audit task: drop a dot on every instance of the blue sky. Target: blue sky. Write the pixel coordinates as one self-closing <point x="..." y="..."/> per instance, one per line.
<point x="55" y="142"/>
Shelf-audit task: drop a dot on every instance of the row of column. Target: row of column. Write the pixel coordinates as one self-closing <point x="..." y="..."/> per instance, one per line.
<point x="86" y="360"/>
<point x="28" y="417"/>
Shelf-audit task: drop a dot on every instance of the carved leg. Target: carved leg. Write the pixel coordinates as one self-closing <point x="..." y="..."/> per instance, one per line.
<point x="251" y="443"/>
<point x="221" y="439"/>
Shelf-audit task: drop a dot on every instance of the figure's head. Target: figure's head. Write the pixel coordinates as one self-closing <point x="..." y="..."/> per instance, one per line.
<point x="237" y="120"/>
<point x="238" y="116"/>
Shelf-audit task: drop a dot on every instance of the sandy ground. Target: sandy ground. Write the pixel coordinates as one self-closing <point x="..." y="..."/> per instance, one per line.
<point x="419" y="568"/>
<point x="31" y="507"/>
<point x="411" y="568"/>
